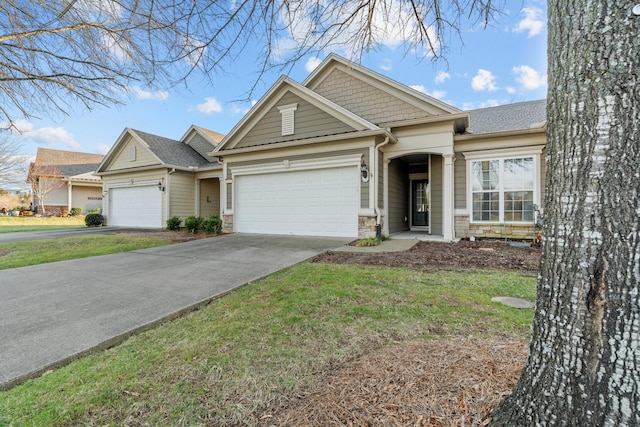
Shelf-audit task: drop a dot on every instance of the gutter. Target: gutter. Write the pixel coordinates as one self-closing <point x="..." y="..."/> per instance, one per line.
<point x="376" y="184"/>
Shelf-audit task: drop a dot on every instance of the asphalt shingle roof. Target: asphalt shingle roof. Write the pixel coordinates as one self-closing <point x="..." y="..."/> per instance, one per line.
<point x="172" y="152"/>
<point x="518" y="116"/>
<point x="68" y="163"/>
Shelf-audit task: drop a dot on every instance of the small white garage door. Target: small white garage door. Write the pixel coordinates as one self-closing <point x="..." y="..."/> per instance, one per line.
<point x="321" y="202"/>
<point x="135" y="207"/>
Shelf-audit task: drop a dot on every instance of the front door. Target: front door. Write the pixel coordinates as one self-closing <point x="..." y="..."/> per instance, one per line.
<point x="420" y="203"/>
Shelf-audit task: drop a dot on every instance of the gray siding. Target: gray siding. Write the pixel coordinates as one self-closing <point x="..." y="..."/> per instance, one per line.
<point x="460" y="181"/>
<point x="209" y="188"/>
<point x="367" y="101"/>
<point x="398" y="196"/>
<point x="229" y="196"/>
<point x="309" y="121"/>
<point x="436" y="194"/>
<point x="143" y="157"/>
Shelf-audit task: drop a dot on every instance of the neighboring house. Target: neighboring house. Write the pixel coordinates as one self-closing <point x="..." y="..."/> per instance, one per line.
<point x="148" y="178"/>
<point x="64" y="180"/>
<point x="350" y="153"/>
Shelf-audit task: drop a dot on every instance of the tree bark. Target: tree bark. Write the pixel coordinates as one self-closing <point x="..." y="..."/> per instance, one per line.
<point x="584" y="363"/>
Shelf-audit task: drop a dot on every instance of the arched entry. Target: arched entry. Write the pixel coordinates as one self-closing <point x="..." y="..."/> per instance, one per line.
<point x="414" y="194"/>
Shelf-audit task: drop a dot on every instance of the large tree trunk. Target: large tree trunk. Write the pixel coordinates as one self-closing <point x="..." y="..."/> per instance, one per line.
<point x="584" y="363"/>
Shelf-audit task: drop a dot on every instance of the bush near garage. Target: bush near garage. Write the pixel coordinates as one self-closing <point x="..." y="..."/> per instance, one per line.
<point x="193" y="224"/>
<point x="173" y="223"/>
<point x="94" y="220"/>
<point x="213" y="225"/>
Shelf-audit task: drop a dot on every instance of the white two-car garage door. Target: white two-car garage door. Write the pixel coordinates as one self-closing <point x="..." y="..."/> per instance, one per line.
<point x="135" y="207"/>
<point x="321" y="202"/>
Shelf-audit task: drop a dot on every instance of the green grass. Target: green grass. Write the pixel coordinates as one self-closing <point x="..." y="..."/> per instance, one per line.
<point x="249" y="349"/>
<point x="11" y="224"/>
<point x="22" y="254"/>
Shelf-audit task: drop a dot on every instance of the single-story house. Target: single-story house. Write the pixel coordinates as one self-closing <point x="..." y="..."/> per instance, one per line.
<point x="350" y="152"/>
<point x="62" y="180"/>
<point x="148" y="179"/>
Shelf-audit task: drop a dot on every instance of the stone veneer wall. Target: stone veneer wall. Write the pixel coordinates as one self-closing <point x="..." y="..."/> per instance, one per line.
<point x="227" y="223"/>
<point x="366" y="227"/>
<point x="464" y="230"/>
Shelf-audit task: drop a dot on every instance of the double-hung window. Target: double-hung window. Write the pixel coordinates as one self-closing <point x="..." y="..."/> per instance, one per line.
<point x="503" y="189"/>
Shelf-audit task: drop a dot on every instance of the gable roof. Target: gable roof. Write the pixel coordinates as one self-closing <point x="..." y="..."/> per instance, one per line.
<point x="510" y="117"/>
<point x="168" y="152"/>
<point x="414" y="97"/>
<point x="68" y="163"/>
<point x="268" y="101"/>
<point x="171" y="152"/>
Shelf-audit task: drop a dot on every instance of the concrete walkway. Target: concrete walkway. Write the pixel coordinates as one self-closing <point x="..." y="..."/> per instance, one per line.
<point x="53" y="313"/>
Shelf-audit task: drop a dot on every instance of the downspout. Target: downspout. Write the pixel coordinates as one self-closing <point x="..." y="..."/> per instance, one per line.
<point x="375" y="186"/>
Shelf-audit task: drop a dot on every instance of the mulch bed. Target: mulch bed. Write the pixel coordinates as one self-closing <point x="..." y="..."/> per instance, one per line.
<point x="452" y="383"/>
<point x="486" y="255"/>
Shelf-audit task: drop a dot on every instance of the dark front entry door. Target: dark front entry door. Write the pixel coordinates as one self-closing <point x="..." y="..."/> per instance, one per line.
<point x="420" y="203"/>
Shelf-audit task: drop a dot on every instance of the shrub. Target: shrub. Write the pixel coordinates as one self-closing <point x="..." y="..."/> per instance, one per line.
<point x="193" y="224"/>
<point x="173" y="223"/>
<point x="213" y="225"/>
<point x="94" y="220"/>
<point x="76" y="211"/>
<point x="94" y="211"/>
<point x="371" y="241"/>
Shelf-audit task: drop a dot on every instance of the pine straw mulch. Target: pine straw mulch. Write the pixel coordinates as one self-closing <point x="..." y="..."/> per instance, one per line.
<point x="454" y="382"/>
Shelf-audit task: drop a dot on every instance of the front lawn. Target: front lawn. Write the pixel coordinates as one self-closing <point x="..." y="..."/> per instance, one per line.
<point x="264" y="346"/>
<point x="11" y="224"/>
<point x="22" y="254"/>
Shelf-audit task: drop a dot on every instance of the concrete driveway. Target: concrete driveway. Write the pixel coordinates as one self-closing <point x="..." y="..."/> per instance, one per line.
<point x="25" y="236"/>
<point x="53" y="313"/>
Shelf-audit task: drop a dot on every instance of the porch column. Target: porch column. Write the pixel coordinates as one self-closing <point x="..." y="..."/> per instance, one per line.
<point x="448" y="198"/>
<point x="385" y="195"/>
<point x="69" y="196"/>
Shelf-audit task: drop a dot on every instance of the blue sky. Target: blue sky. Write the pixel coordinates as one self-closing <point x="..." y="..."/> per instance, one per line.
<point x="497" y="65"/>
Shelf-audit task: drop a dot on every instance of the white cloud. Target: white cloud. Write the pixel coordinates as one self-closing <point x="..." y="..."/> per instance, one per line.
<point x="511" y="90"/>
<point x="438" y="94"/>
<point x="239" y="109"/>
<point x="57" y="137"/>
<point x="533" y="22"/>
<point x="442" y="77"/>
<point x="145" y="94"/>
<point x="386" y="65"/>
<point x="312" y="63"/>
<point x="485" y="104"/>
<point x="339" y="26"/>
<point x="102" y="148"/>
<point x="528" y="77"/>
<point x="210" y="105"/>
<point x="484" y="80"/>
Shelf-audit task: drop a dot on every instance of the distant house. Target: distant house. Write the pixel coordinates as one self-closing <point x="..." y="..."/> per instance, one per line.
<point x="62" y="180"/>
<point x="348" y="152"/>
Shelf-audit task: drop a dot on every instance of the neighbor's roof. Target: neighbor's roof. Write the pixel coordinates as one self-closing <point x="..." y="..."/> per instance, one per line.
<point x="172" y="152"/>
<point x="214" y="136"/>
<point x="511" y="117"/>
<point x="68" y="163"/>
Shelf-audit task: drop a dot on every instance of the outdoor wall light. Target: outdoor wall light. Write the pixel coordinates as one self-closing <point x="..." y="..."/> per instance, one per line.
<point x="364" y="170"/>
<point x="160" y="186"/>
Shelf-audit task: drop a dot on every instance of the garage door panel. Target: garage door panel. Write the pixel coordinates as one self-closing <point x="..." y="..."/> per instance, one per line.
<point x="321" y="202"/>
<point x="136" y="207"/>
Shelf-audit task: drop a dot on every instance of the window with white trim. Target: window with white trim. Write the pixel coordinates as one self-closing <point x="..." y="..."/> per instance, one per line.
<point x="288" y="122"/>
<point x="503" y="190"/>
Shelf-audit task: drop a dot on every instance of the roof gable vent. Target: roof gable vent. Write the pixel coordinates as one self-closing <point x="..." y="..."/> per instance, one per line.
<point x="288" y="123"/>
